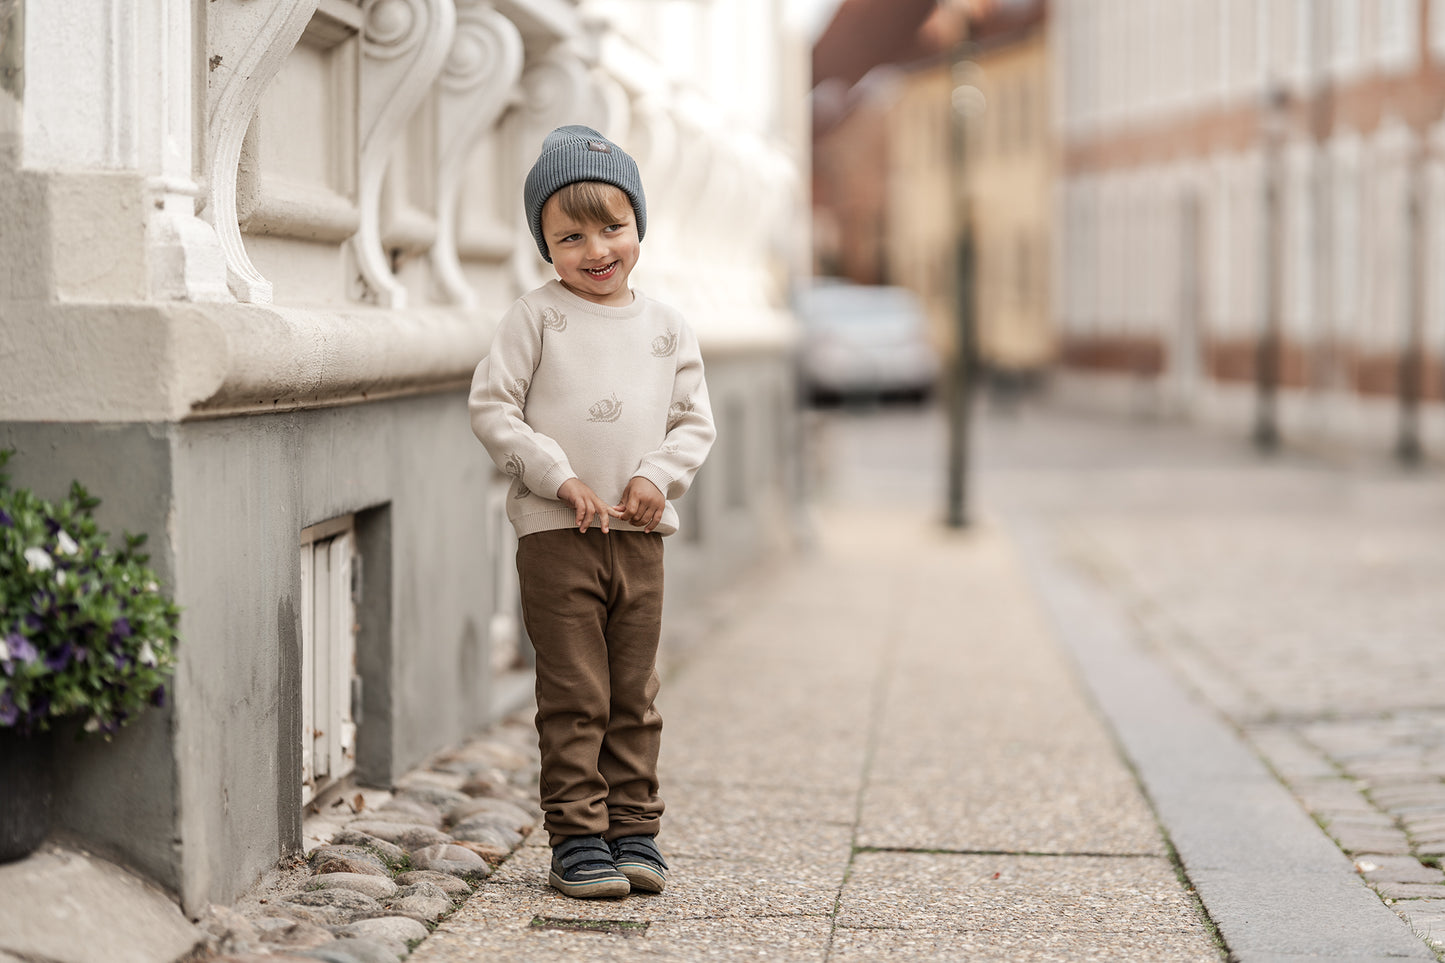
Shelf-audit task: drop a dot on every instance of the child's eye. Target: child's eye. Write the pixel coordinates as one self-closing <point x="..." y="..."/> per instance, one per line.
<point x="571" y="237"/>
<point x="612" y="228"/>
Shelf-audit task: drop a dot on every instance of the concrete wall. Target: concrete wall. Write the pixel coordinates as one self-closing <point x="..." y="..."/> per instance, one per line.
<point x="244" y="490"/>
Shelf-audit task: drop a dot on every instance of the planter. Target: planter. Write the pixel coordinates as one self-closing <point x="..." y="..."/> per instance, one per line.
<point x="26" y="780"/>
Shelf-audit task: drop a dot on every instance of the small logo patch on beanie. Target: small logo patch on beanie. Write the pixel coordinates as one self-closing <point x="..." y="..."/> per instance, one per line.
<point x="599" y="147"/>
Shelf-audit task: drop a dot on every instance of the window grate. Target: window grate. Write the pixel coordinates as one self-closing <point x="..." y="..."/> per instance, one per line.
<point x="330" y="686"/>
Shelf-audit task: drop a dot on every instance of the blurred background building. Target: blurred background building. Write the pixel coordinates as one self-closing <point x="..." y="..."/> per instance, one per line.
<point x="1227" y="210"/>
<point x="887" y="162"/>
<point x="250" y="253"/>
<point x="1251" y="206"/>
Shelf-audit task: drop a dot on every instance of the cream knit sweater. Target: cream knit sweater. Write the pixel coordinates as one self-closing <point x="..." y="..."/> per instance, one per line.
<point x="576" y="389"/>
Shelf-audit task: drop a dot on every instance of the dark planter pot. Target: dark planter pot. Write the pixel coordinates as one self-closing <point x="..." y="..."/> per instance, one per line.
<point x="26" y="781"/>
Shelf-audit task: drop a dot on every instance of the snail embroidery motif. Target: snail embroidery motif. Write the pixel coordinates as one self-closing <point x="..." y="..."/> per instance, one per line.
<point x="554" y="320"/>
<point x="678" y="411"/>
<point x="664" y="345"/>
<point x="515" y="468"/>
<point x="606" y="410"/>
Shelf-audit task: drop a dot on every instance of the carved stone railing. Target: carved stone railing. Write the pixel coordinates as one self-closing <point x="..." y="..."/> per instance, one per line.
<point x="435" y="87"/>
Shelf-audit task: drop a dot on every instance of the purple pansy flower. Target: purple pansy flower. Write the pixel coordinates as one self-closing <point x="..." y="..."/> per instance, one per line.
<point x="9" y="711"/>
<point x="5" y="519"/>
<point x="120" y="628"/>
<point x="20" y="648"/>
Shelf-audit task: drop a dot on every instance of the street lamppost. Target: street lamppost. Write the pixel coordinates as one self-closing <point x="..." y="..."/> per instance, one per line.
<point x="1412" y="359"/>
<point x="1267" y="351"/>
<point x="967" y="103"/>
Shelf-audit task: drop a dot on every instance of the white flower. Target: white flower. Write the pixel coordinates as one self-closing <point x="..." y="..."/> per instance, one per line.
<point x="92" y="724"/>
<point x="65" y="545"/>
<point x="152" y="587"/>
<point x="147" y="654"/>
<point x="4" y="650"/>
<point x="38" y="560"/>
<point x="60" y="576"/>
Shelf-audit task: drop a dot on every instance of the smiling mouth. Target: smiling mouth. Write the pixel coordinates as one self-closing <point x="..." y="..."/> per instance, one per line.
<point x="604" y="272"/>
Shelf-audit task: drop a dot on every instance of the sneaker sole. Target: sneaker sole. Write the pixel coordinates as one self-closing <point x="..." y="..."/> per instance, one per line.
<point x="610" y="887"/>
<point x="643" y="877"/>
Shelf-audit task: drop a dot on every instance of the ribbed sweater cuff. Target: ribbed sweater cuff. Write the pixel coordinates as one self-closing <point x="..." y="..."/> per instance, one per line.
<point x="655" y="475"/>
<point x="554" y="478"/>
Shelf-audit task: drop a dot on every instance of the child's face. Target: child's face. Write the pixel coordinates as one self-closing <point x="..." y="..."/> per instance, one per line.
<point x="593" y="259"/>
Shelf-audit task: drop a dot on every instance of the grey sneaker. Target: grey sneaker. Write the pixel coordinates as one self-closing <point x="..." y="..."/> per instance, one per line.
<point x="640" y="861"/>
<point x="582" y="867"/>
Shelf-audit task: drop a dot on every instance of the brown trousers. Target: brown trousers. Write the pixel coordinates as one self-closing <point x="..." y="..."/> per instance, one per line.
<point x="592" y="604"/>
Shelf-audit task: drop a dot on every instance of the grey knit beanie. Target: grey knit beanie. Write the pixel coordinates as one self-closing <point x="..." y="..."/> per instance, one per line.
<point x="576" y="153"/>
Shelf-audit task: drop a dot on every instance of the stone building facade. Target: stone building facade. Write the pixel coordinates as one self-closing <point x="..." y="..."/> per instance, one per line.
<point x="251" y="252"/>
<point x="1251" y="210"/>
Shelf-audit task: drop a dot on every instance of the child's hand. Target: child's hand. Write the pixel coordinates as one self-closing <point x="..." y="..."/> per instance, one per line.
<point x="576" y="493"/>
<point x="642" y="503"/>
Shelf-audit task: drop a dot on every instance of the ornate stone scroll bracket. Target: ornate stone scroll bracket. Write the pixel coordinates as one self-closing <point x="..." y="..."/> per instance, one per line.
<point x="406" y="46"/>
<point x="477" y="85"/>
<point x="246" y="44"/>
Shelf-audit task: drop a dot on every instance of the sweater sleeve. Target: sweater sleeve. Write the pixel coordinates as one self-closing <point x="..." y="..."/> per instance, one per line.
<point x="497" y="402"/>
<point x="690" y="428"/>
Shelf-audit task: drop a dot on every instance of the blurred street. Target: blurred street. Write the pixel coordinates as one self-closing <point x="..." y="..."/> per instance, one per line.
<point x="1108" y="721"/>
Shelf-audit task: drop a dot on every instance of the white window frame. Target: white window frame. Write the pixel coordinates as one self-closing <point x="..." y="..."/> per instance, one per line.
<point x="1346" y="24"/>
<point x="1397" y="34"/>
<point x="329" y="679"/>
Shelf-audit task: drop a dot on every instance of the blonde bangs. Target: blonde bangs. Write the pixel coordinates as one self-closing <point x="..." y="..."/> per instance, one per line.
<point x="594" y="202"/>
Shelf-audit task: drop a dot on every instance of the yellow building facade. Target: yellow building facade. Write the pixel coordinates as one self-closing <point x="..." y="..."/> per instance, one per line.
<point x="1008" y="163"/>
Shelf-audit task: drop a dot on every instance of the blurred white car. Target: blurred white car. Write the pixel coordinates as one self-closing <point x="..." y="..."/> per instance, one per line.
<point x="864" y="341"/>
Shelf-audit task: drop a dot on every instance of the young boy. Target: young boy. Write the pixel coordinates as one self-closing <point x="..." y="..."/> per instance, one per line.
<point x="592" y="399"/>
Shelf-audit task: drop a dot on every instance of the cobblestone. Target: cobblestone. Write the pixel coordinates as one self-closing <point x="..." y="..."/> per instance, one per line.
<point x="340" y="902"/>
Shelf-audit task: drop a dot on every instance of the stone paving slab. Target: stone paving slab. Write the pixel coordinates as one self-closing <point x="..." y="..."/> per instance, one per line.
<point x="927" y="906"/>
<point x="1028" y="766"/>
<point x="753" y="821"/>
<point x="59" y="905"/>
<point x="482" y="933"/>
<point x="800" y="884"/>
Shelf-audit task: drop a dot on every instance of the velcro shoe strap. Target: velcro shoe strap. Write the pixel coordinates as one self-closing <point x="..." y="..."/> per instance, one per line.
<point x="638" y="847"/>
<point x="581" y="851"/>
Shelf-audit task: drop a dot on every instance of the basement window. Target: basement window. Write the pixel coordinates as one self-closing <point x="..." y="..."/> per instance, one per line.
<point x="330" y="686"/>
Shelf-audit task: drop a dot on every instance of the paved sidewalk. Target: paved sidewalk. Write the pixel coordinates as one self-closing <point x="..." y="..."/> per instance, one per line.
<point x="929" y="746"/>
<point x="880" y="753"/>
<point x="1298" y="597"/>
